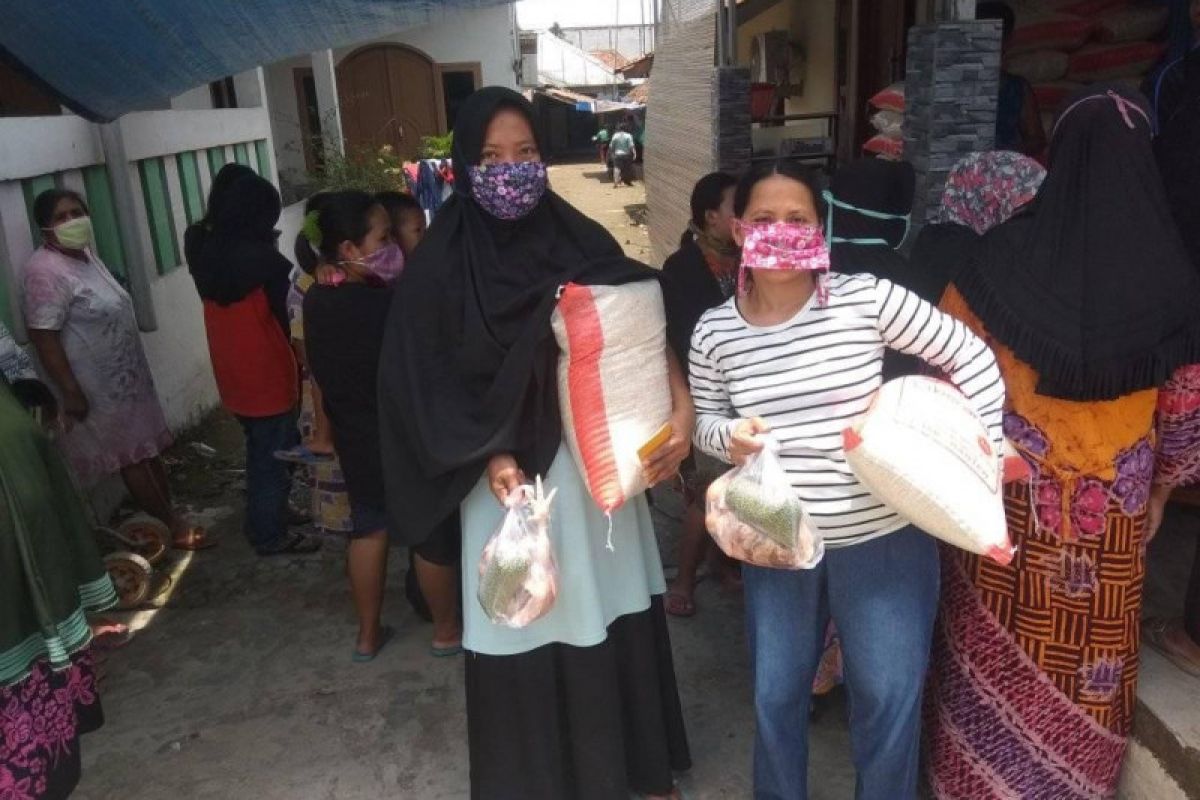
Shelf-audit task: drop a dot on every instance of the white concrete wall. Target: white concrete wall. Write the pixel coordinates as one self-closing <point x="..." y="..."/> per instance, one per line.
<point x="483" y="35"/>
<point x="287" y="135"/>
<point x="178" y="351"/>
<point x="247" y="85"/>
<point x="32" y="146"/>
<point x="197" y="99"/>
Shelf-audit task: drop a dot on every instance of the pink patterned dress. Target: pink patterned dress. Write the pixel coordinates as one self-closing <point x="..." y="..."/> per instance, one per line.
<point x="94" y="315"/>
<point x="1033" y="679"/>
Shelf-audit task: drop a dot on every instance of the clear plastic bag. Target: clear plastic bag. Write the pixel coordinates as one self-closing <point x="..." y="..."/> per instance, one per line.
<point x="754" y="515"/>
<point x="518" y="578"/>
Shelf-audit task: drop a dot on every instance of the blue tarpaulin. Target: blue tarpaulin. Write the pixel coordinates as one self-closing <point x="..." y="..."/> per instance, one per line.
<point x="103" y="58"/>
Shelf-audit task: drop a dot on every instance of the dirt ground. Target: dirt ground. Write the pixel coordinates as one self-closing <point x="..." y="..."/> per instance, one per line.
<point x="238" y="681"/>
<point x="621" y="210"/>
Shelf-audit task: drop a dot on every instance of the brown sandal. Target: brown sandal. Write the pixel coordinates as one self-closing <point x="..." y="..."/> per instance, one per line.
<point x="1154" y="630"/>
<point x="194" y="539"/>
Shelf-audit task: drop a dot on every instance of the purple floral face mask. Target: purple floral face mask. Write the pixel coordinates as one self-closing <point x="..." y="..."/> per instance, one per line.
<point x="509" y="191"/>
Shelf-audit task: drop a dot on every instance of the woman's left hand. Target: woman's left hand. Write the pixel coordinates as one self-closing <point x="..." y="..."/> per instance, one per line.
<point x="1159" y="495"/>
<point x="663" y="464"/>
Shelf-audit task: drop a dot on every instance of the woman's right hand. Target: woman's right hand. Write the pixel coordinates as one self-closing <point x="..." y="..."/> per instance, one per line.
<point x="746" y="439"/>
<point x="75" y="405"/>
<point x="329" y="275"/>
<point x="504" y="477"/>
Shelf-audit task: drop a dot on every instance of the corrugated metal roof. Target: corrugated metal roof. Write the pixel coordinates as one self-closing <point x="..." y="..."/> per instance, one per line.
<point x="103" y="58"/>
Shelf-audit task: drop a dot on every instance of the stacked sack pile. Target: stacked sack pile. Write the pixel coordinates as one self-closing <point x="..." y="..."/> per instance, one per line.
<point x="1062" y="45"/>
<point x="887" y="118"/>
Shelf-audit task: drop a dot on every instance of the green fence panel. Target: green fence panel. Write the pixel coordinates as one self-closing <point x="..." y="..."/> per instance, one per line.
<point x="189" y="185"/>
<point x="241" y="154"/>
<point x="32" y="187"/>
<point x="158" y="212"/>
<point x="216" y="160"/>
<point x="103" y="209"/>
<point x="264" y="158"/>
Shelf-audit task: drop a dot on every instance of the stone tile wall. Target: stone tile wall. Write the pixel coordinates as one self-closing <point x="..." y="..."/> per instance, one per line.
<point x="951" y="92"/>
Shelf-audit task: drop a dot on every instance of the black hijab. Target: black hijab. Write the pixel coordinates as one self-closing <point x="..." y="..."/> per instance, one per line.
<point x="1091" y="285"/>
<point x="232" y="251"/>
<point x="468" y="368"/>
<point x="873" y="186"/>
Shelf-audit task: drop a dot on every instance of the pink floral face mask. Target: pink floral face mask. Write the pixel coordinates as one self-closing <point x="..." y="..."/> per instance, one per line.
<point x="784" y="246"/>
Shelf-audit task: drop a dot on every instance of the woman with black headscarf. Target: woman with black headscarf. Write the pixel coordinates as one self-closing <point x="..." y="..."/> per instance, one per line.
<point x="243" y="280"/>
<point x="1089" y="300"/>
<point x="870" y="202"/>
<point x="581" y="703"/>
<point x="870" y="206"/>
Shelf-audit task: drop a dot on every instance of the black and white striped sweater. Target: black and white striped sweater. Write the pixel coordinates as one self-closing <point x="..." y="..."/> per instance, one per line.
<point x="811" y="376"/>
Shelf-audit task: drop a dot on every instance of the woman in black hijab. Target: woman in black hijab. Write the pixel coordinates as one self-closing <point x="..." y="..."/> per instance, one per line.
<point x="582" y="703"/>
<point x="1089" y="301"/>
<point x="870" y="202"/>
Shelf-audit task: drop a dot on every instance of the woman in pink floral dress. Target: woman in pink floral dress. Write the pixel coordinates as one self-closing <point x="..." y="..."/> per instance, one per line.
<point x="82" y="325"/>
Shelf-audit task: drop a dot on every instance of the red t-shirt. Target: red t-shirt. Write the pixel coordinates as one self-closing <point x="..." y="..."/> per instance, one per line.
<point x="251" y="358"/>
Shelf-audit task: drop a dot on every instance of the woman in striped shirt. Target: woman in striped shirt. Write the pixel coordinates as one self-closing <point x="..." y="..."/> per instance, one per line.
<point x="798" y="353"/>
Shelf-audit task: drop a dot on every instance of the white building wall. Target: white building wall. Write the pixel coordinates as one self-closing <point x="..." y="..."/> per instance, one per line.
<point x="286" y="132"/>
<point x="484" y="35"/>
<point x="561" y="63"/>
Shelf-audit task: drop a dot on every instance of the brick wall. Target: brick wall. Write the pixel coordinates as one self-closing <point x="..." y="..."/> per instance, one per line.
<point x="951" y="91"/>
<point x="732" y="146"/>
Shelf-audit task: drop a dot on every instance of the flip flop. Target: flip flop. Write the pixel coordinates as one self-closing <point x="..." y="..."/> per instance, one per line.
<point x="679" y="605"/>
<point x="1154" y="630"/>
<point x="294" y="544"/>
<point x="195" y="539"/>
<point x="385" y="635"/>
<point x="300" y="454"/>
<point x="446" y="651"/>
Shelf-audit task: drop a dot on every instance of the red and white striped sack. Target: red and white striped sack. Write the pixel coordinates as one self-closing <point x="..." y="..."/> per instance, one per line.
<point x="613" y="389"/>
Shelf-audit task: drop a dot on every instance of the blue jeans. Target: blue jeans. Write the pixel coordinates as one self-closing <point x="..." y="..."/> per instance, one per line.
<point x="882" y="595"/>
<point x="268" y="480"/>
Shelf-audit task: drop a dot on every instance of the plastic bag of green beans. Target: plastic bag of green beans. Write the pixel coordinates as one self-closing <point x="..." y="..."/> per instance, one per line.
<point x="518" y="578"/>
<point x="754" y="515"/>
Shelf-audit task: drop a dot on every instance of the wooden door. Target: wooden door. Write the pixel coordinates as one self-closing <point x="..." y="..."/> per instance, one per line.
<point x="880" y="49"/>
<point x="387" y="95"/>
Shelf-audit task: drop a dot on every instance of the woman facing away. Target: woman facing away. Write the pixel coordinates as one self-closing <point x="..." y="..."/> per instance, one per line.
<point x="82" y="325"/>
<point x="582" y="703"/>
<point x="798" y="354"/>
<point x="701" y="274"/>
<point x="243" y="281"/>
<point x="1090" y="301"/>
